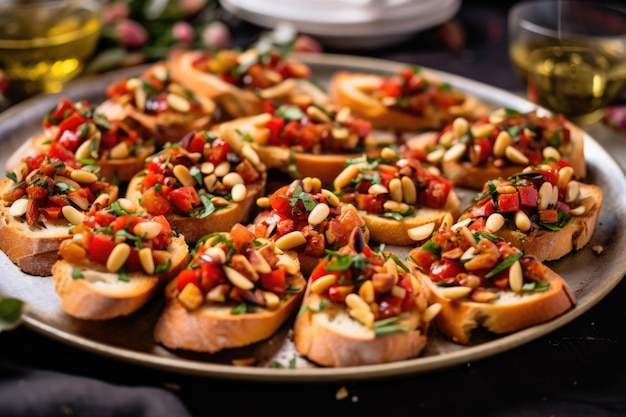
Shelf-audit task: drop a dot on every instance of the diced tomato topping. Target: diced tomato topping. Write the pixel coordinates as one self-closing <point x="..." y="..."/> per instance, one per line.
<point x="247" y="171"/>
<point x="279" y="201"/>
<point x="528" y="196"/>
<point x="211" y="274"/>
<point x="436" y="195"/>
<point x="274" y="281"/>
<point x="125" y="222"/>
<point x="389" y="306"/>
<point x="508" y="202"/>
<point x="485" y="209"/>
<point x="240" y="235"/>
<point x="155" y="203"/>
<point x="549" y="215"/>
<point x="100" y="247"/>
<point x="217" y="151"/>
<point x="424" y="259"/>
<point x="443" y="269"/>
<point x="184" y="198"/>
<point x="338" y="293"/>
<point x="188" y="276"/>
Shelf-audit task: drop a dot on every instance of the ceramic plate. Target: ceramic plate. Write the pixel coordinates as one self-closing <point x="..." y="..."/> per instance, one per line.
<point x="591" y="276"/>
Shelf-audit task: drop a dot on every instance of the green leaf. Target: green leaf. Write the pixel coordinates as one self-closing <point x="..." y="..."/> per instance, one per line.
<point x="77" y="273"/>
<point x="508" y="261"/>
<point x="11" y="310"/>
<point x="289" y="112"/>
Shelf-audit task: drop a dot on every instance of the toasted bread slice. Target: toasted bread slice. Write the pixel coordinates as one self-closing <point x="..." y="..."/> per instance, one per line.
<point x="406" y="101"/>
<point x="480" y="281"/>
<point x="246" y="298"/>
<point x="39" y="201"/>
<point x="396" y="195"/>
<point x="381" y="317"/>
<point x="501" y="145"/>
<point x="542" y="210"/>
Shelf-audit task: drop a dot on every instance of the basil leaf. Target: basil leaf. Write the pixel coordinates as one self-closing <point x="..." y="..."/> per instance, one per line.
<point x="504" y="264"/>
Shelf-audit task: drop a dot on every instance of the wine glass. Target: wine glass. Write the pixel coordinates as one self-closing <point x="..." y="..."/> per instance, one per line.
<point x="570" y="55"/>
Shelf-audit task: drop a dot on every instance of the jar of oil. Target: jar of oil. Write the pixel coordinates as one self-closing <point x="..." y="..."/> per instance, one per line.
<point x="44" y="44"/>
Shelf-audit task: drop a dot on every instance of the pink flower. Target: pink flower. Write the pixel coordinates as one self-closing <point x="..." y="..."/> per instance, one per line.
<point x="115" y="11"/>
<point x="131" y="34"/>
<point x="216" y="35"/>
<point x="183" y="32"/>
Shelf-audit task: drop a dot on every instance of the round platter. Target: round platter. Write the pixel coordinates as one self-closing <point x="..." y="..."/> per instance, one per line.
<point x="591" y="276"/>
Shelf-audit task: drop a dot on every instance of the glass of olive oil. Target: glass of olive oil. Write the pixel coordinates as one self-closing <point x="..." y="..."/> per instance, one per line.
<point x="45" y="43"/>
<point x="570" y="55"/>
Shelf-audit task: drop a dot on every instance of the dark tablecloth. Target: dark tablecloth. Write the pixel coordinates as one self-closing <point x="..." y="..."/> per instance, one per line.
<point x="578" y="370"/>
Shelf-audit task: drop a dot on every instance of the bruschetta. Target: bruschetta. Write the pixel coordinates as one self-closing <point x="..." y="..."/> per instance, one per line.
<point x="80" y="136"/>
<point x="240" y="82"/>
<point x="306" y="218"/>
<point x="238" y="290"/>
<point x="362" y="307"/>
<point x="116" y="260"/>
<point x="156" y="107"/>
<point x="200" y="185"/>
<point x="406" y="101"/>
<point x="480" y="280"/>
<point x="542" y="210"/>
<point x="395" y="194"/>
<point x="39" y="201"/>
<point x="505" y="142"/>
<point x="314" y="142"/>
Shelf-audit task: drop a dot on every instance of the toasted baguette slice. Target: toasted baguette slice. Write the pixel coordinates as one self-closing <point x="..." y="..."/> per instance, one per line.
<point x="486" y="288"/>
<point x="242" y="93"/>
<point x="405" y="196"/>
<point x="503" y="144"/>
<point x="545" y="230"/>
<point x="356" y="326"/>
<point x="31" y="230"/>
<point x="132" y="102"/>
<point x="303" y="217"/>
<point x="234" y="309"/>
<point x="368" y="96"/>
<point x="221" y="191"/>
<point x="101" y="295"/>
<point x="77" y="134"/>
<point x="316" y="142"/>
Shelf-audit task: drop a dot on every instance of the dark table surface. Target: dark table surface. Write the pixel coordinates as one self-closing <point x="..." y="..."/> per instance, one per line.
<point x="577" y="370"/>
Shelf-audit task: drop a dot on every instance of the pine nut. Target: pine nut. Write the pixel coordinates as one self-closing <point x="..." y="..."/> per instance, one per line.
<point x="578" y="211"/>
<point x="218" y="293"/>
<point x="377" y="189"/>
<point x="522" y="222"/>
<point x="503" y="141"/>
<point x="160" y="73"/>
<point x="67" y="181"/>
<point x="419" y="233"/>
<point x="84" y="150"/>
<point x="346" y="176"/>
<point x="181" y="172"/>
<point x="239" y="193"/>
<point x="237" y="278"/>
<point x="516" y="156"/>
<point x="395" y="207"/>
<point x="483" y="131"/>
<point x="366" y="318"/>
<point x="395" y="189"/>
<point x="550" y="152"/>
<point x="340" y="132"/>
<point x="271" y="300"/>
<point x="140" y="98"/>
<point x="290" y="264"/>
<point x="516" y="277"/>
<point x="431" y="312"/>
<point x="482" y="295"/>
<point x="146" y="260"/>
<point x="178" y="103"/>
<point x="103" y="199"/>
<point x="232" y="178"/>
<point x="436" y="155"/>
<point x="258" y="262"/>
<point x="398" y="291"/>
<point x="220" y="201"/>
<point x="319" y="213"/>
<point x="446" y="139"/>
<point x="366" y="291"/>
<point x="455" y="152"/>
<point x="460" y="126"/>
<point x="409" y="192"/>
<point x="222" y="169"/>
<point x="133" y="83"/>
<point x="210" y="181"/>
<point x="572" y="191"/>
<point x="19" y="207"/>
<point x="291" y="240"/>
<point x="127" y="205"/>
<point x="355" y="302"/>
<point x="388" y="154"/>
<point x="455" y="293"/>
<point x="391" y="267"/>
<point x="497" y="116"/>
<point x="263" y="202"/>
<point x="148" y="230"/>
<point x="315" y="113"/>
<point x="120" y="151"/>
<point x="462" y="223"/>
<point x="117" y="257"/>
<point x="217" y="255"/>
<point x="331" y="198"/>
<point x="251" y="155"/>
<point x="494" y="222"/>
<point x="80" y="201"/>
<point x="320" y="285"/>
<point x="545" y="195"/>
<point x="21" y="171"/>
<point x="73" y="215"/>
<point x="83" y="177"/>
<point x="554" y="198"/>
<point x="207" y="168"/>
<point x="565" y="175"/>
